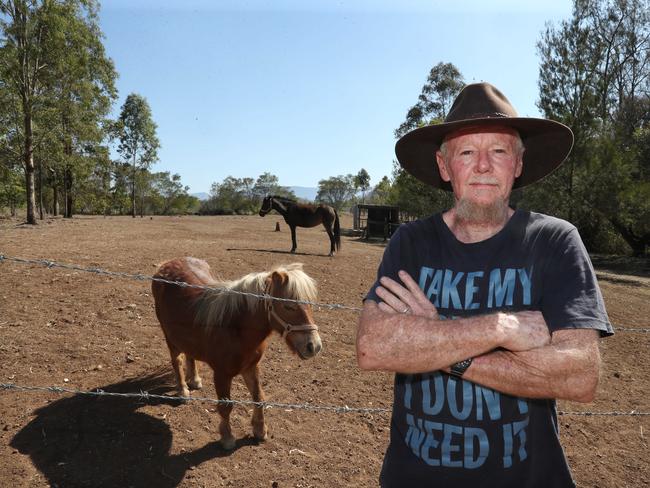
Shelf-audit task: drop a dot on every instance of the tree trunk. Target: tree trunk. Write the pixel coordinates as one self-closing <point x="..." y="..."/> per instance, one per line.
<point x="30" y="192"/>
<point x="40" y="191"/>
<point x="638" y="243"/>
<point x="133" y="190"/>
<point x="55" y="195"/>
<point x="69" y="201"/>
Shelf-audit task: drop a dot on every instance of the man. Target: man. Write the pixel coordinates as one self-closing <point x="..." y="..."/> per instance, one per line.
<point x="474" y="401"/>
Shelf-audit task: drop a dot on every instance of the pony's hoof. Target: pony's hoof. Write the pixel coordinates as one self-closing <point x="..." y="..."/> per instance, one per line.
<point x="260" y="434"/>
<point x="195" y="385"/>
<point x="227" y="443"/>
<point x="183" y="394"/>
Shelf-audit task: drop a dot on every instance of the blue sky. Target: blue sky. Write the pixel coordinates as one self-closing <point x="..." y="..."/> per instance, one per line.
<point x="307" y="89"/>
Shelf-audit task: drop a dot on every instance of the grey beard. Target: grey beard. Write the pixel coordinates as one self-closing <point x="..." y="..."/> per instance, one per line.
<point x="472" y="213"/>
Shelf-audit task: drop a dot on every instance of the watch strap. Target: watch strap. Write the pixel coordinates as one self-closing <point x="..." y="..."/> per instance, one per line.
<point x="459" y="368"/>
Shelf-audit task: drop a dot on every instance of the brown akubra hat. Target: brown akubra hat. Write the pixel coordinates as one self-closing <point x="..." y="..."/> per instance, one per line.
<point x="547" y="142"/>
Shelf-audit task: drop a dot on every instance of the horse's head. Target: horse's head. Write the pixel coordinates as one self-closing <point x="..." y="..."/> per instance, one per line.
<point x="267" y="206"/>
<point x="294" y="321"/>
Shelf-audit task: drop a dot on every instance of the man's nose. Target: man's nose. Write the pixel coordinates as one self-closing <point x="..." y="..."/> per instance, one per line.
<point x="483" y="165"/>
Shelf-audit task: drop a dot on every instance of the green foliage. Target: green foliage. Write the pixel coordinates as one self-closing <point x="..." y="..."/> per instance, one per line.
<point x="56" y="87"/>
<point x="12" y="189"/>
<point x="443" y="84"/>
<point x="242" y="195"/>
<point x="362" y="182"/>
<point x="138" y="142"/>
<point x="337" y="191"/>
<point x="595" y="78"/>
<point x="415" y="197"/>
<point x="418" y="199"/>
<point x="381" y="193"/>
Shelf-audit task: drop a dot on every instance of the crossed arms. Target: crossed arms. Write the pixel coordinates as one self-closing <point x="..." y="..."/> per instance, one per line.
<point x="513" y="353"/>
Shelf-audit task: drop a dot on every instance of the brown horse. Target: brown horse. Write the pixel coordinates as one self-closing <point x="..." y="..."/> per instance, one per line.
<point x="305" y="215"/>
<point x="229" y="331"/>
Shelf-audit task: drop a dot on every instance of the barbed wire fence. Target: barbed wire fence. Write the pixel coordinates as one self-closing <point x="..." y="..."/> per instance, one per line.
<point x="145" y="396"/>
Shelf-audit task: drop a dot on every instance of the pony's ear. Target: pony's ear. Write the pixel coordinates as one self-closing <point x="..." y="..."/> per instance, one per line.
<point x="276" y="280"/>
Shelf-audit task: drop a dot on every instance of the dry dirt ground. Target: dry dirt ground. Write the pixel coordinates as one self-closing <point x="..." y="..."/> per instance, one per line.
<point x="83" y="331"/>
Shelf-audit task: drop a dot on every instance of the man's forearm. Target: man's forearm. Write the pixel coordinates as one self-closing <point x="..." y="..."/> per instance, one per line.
<point x="415" y="344"/>
<point x="565" y="369"/>
<point x="411" y="344"/>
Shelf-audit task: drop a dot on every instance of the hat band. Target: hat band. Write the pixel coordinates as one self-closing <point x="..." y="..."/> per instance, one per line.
<point x="489" y="115"/>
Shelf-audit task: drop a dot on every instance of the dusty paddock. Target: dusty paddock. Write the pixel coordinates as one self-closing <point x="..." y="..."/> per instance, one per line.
<point x="83" y="331"/>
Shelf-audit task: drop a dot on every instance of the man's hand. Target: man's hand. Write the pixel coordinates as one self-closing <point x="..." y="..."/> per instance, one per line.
<point x="404" y="299"/>
<point x="524" y="331"/>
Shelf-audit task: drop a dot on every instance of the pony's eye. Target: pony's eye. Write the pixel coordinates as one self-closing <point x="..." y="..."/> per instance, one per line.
<point x="290" y="307"/>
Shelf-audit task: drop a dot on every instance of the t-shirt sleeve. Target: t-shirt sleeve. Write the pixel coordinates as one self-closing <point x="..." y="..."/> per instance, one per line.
<point x="390" y="263"/>
<point x="572" y="297"/>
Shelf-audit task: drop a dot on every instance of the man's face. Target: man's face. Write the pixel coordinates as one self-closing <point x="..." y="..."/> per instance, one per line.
<point x="481" y="163"/>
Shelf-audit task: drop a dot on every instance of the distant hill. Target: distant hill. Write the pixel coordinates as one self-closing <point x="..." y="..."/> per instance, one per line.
<point x="305" y="192"/>
<point x="201" y="195"/>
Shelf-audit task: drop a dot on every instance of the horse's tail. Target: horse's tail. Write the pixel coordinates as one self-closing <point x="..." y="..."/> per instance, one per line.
<point x="337" y="231"/>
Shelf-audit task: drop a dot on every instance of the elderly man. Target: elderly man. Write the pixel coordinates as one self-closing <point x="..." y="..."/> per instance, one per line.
<point x="485" y="313"/>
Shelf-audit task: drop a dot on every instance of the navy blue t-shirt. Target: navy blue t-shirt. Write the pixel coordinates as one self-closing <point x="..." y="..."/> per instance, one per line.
<point x="450" y="432"/>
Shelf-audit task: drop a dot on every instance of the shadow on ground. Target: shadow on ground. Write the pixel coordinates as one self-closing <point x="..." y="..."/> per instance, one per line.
<point x="104" y="441"/>
<point x="275" y="251"/>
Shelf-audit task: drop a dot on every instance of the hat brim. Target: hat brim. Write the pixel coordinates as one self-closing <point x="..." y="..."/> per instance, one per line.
<point x="547" y="143"/>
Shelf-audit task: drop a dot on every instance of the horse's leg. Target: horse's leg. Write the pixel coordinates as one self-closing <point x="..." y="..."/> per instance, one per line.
<point x="222" y="386"/>
<point x="252" y="379"/>
<point x="192" y="374"/>
<point x="293" y="238"/>
<point x="328" y="227"/>
<point x="178" y="361"/>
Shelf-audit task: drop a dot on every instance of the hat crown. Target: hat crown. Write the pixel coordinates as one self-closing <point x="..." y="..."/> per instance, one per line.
<point x="480" y="101"/>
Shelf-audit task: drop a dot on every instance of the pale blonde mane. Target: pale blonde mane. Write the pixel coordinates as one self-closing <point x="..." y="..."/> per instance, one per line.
<point x="218" y="308"/>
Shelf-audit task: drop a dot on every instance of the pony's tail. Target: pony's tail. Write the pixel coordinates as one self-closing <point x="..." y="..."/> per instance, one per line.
<point x="337" y="231"/>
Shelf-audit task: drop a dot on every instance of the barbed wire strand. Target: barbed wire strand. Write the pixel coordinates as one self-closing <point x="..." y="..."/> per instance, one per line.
<point x="145" y="396"/>
<point x="141" y="277"/>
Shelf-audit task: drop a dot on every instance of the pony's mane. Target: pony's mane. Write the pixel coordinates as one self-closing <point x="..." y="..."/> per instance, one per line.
<point x="283" y="199"/>
<point x="218" y="308"/>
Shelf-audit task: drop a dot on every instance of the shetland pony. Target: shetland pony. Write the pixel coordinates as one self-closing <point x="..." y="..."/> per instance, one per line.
<point x="230" y="331"/>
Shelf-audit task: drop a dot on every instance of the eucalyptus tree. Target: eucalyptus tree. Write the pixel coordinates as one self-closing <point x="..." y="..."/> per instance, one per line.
<point x="362" y="182"/>
<point x="595" y="77"/>
<point x="336" y="191"/>
<point x="53" y="64"/>
<point x="138" y="142"/>
<point x="24" y="26"/>
<point x="443" y="83"/>
<point x="83" y="91"/>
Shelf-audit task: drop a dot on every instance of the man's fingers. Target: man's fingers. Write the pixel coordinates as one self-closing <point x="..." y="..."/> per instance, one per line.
<point x="397" y="289"/>
<point x="409" y="282"/>
<point x="412" y="286"/>
<point x="390" y="299"/>
<point x="386" y="308"/>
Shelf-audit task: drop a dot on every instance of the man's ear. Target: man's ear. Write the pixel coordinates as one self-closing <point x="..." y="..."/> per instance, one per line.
<point x="442" y="167"/>
<point x="520" y="165"/>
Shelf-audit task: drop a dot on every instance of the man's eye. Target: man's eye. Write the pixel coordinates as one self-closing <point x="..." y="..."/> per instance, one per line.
<point x="466" y="152"/>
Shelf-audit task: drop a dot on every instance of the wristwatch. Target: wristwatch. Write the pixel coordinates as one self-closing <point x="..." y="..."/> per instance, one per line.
<point x="460" y="367"/>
